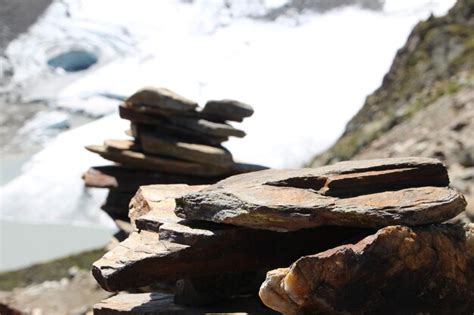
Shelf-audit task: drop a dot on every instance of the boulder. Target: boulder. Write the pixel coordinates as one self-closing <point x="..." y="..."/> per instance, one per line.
<point x="420" y="270"/>
<point x="371" y="193"/>
<point x="227" y="110"/>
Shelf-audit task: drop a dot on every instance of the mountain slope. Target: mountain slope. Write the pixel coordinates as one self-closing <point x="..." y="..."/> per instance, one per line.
<point x="425" y="106"/>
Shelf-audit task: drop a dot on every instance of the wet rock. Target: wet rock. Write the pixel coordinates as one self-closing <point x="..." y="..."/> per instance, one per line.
<point x="227" y="110"/>
<point x="371" y="193"/>
<point x="410" y="270"/>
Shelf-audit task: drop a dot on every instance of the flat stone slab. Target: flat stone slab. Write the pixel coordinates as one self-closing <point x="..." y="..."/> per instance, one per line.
<point x="371" y="193"/>
<point x="194" y="152"/>
<point x="211" y="128"/>
<point x="124" y="152"/>
<point x="156" y="303"/>
<point x="420" y="270"/>
<point x="227" y="110"/>
<point x="130" y="180"/>
<point x="161" y="98"/>
<point x="168" y="247"/>
<point x="157" y="200"/>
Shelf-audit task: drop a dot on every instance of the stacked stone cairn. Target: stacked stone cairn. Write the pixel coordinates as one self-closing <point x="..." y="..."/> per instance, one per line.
<point x="358" y="237"/>
<point x="174" y="141"/>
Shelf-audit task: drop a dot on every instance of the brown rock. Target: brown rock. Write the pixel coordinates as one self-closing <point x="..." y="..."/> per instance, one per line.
<point x="168" y="247"/>
<point x="157" y="200"/>
<point x="399" y="269"/>
<point x="129" y="179"/>
<point x="122" y="152"/>
<point x="161" y="303"/>
<point x="161" y="98"/>
<point x="173" y="147"/>
<point x="372" y="193"/>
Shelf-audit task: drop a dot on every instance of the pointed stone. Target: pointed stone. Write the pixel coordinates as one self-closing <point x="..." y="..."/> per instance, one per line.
<point x="213" y="129"/>
<point x="372" y="193"/>
<point x="418" y="270"/>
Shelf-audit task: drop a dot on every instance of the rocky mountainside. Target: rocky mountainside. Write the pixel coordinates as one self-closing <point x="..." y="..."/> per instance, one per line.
<point x="425" y="106"/>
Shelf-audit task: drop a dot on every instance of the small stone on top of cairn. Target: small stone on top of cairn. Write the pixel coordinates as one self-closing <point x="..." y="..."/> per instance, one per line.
<point x="174" y="142"/>
<point x="218" y="241"/>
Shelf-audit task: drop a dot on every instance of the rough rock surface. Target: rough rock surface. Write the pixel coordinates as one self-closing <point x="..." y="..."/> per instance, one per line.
<point x="371" y="193"/>
<point x="124" y="152"/>
<point x="168" y="247"/>
<point x="130" y="180"/>
<point x="227" y="110"/>
<point x="194" y="152"/>
<point x="68" y="296"/>
<point x="161" y="98"/>
<point x="409" y="270"/>
<point x="160" y="303"/>
<point x="425" y="106"/>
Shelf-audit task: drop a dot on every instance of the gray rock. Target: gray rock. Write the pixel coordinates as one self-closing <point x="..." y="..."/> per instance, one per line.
<point x="227" y="110"/>
<point x="161" y="99"/>
<point x="125" y="153"/>
<point x="371" y="193"/>
<point x="194" y="152"/>
<point x="207" y="127"/>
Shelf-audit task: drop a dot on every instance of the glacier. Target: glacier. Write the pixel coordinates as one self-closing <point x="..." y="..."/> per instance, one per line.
<point x="305" y="73"/>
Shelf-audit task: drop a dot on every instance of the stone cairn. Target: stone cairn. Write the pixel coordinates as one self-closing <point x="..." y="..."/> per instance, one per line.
<point x="173" y="142"/>
<point x="359" y="237"/>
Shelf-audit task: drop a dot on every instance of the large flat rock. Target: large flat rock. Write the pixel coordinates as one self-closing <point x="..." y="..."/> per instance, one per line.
<point x="129" y="179"/>
<point x="371" y="193"/>
<point x="172" y="147"/>
<point x="124" y="152"/>
<point x="422" y="270"/>
<point x="168" y="247"/>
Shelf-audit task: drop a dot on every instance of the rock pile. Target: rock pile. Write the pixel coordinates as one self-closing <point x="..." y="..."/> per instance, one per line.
<point x="173" y="142"/>
<point x="217" y="242"/>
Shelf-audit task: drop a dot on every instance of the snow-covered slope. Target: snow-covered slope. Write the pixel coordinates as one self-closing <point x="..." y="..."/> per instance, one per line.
<point x="306" y="74"/>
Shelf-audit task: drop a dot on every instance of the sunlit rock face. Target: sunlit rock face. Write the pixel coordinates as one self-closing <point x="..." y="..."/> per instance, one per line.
<point x="74" y="60"/>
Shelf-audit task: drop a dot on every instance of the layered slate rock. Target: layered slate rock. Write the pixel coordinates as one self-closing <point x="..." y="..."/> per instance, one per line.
<point x="159" y="98"/>
<point x="167" y="247"/>
<point x="130" y="180"/>
<point x="407" y="270"/>
<point x="227" y="110"/>
<point x="370" y="193"/>
<point x="194" y="152"/>
<point x="161" y="303"/>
